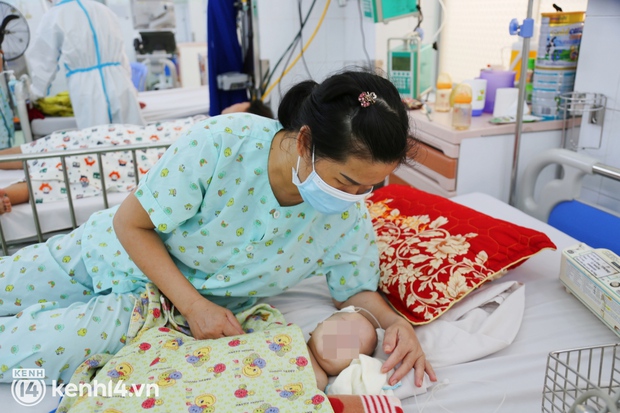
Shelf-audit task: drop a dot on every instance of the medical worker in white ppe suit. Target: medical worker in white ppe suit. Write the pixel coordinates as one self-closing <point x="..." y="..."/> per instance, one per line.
<point x="85" y="38"/>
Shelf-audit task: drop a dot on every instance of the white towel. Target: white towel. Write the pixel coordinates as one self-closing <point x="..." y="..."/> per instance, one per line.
<point x="363" y="376"/>
<point x="484" y="322"/>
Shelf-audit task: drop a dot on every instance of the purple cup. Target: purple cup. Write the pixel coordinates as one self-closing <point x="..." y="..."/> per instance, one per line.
<point x="495" y="79"/>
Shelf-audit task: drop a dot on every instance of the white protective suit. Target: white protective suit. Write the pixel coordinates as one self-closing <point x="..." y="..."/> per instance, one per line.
<point x="84" y="36"/>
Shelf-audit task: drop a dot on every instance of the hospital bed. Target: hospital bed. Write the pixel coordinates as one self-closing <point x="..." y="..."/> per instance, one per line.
<point x="161" y="105"/>
<point x="509" y="380"/>
<point x="32" y="222"/>
<point x="558" y="203"/>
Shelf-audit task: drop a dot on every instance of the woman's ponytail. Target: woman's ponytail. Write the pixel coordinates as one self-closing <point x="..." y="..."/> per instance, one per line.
<point x="290" y="106"/>
<point x="341" y="125"/>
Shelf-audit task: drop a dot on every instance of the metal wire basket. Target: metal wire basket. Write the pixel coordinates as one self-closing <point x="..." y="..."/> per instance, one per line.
<point x="583" y="380"/>
<point x="583" y="115"/>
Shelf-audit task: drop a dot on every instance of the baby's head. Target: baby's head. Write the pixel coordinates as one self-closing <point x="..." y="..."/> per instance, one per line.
<point x="340" y="339"/>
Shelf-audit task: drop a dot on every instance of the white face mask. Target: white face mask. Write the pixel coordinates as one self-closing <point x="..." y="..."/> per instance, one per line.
<point x="324" y="198"/>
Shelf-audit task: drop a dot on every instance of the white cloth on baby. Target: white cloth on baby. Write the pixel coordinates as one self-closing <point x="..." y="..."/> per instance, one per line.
<point x="363" y="376"/>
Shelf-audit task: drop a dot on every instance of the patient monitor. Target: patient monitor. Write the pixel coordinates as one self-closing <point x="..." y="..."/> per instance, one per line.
<point x="593" y="276"/>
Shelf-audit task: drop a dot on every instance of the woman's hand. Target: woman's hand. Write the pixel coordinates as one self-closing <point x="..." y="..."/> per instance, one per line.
<point x="136" y="233"/>
<point x="402" y="344"/>
<point x="209" y="320"/>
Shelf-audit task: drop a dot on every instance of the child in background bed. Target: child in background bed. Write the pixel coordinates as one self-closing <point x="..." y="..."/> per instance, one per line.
<point x="241" y="207"/>
<point x="46" y="174"/>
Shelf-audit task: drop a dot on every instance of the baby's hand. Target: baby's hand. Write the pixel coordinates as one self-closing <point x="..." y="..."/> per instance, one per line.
<point x="209" y="320"/>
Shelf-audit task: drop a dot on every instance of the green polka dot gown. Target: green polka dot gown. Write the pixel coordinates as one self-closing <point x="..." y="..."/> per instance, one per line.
<point x="211" y="202"/>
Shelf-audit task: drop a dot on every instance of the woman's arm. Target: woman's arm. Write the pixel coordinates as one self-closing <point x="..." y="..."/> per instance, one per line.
<point x="136" y="233"/>
<point x="400" y="341"/>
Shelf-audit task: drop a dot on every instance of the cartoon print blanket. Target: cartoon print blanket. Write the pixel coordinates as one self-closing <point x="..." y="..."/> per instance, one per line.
<point x="164" y="370"/>
<point x="84" y="172"/>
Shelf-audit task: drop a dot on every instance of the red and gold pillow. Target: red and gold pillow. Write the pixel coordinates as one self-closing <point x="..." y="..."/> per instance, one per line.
<point x="434" y="251"/>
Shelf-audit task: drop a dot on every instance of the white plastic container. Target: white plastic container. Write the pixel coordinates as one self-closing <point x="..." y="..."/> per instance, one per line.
<point x="555" y="76"/>
<point x="557" y="80"/>
<point x="478" y="90"/>
<point x="545" y="104"/>
<point x="556" y="60"/>
<point x="547" y="86"/>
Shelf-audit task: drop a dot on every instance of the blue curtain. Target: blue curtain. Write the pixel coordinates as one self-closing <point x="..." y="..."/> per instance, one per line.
<point x="224" y="53"/>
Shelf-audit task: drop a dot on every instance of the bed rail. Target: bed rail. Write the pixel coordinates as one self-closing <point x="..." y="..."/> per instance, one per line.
<point x="99" y="152"/>
<point x="575" y="166"/>
<point x="606" y="170"/>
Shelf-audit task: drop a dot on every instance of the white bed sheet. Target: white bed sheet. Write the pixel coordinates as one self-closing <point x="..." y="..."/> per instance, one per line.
<point x="53" y="216"/>
<point x="553" y="320"/>
<point x="175" y="103"/>
<point x="161" y="105"/>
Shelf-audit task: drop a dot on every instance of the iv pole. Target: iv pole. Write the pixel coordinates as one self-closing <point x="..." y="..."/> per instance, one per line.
<point x="525" y="31"/>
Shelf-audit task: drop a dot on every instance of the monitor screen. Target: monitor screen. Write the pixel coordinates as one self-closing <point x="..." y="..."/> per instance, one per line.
<point x="402" y="63"/>
<point x="157" y="41"/>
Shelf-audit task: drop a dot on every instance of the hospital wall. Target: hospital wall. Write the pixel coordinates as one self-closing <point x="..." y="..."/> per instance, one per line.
<point x="343" y="40"/>
<point x="337" y="43"/>
<point x="598" y="72"/>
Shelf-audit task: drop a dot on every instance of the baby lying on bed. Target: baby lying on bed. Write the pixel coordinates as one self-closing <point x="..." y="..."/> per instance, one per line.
<point x="230" y="374"/>
<point x="337" y="341"/>
<point x="342" y="346"/>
